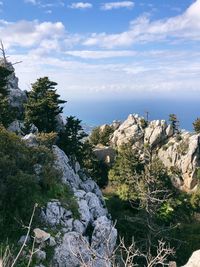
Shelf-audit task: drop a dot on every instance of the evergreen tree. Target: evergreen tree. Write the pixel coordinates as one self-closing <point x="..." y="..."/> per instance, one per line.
<point x="95" y="136"/>
<point x="174" y="122"/>
<point x="122" y="174"/>
<point x="4" y="73"/>
<point x="43" y="105"/>
<point x="5" y="109"/>
<point x="71" y="139"/>
<point x="196" y="125"/>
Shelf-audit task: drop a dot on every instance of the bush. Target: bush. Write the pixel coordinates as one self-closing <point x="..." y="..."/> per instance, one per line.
<point x="21" y="187"/>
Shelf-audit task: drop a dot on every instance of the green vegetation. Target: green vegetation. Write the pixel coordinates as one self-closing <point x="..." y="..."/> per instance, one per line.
<point x="196" y="125"/>
<point x="101" y="135"/>
<point x="174" y="122"/>
<point x="43" y="105"/>
<point x="71" y="139"/>
<point x="5" y="109"/>
<point x="20" y="186"/>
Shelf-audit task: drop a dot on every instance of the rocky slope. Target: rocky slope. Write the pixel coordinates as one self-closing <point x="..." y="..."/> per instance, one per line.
<point x="76" y="240"/>
<point x="179" y="153"/>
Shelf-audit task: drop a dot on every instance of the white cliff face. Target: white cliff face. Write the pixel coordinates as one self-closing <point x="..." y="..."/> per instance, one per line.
<point x="183" y="159"/>
<point x="130" y="130"/>
<point x="74" y="238"/>
<point x="180" y="154"/>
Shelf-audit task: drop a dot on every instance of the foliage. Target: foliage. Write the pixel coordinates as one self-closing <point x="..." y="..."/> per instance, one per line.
<point x="196" y="125"/>
<point x="43" y="105"/>
<point x="20" y="186"/>
<point x="5" y="109"/>
<point x="71" y="139"/>
<point x="174" y="122"/>
<point x="4" y="73"/>
<point x="101" y="135"/>
<point x="47" y="139"/>
<point x="123" y="172"/>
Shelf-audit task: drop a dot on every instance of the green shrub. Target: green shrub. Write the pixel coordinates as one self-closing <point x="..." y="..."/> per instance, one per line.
<point x="21" y="187"/>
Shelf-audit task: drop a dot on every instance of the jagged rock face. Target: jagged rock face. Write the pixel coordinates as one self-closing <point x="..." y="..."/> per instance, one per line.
<point x="130" y="130"/>
<point x="16" y="96"/>
<point x="105" y="154"/>
<point x="157" y="132"/>
<point x="180" y="154"/>
<point x="93" y="214"/>
<point x="194" y="260"/>
<point x="182" y="158"/>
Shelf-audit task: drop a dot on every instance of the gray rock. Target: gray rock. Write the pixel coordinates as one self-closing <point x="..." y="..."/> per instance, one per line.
<point x="68" y="174"/>
<point x="67" y="254"/>
<point x="95" y="206"/>
<point x="22" y="239"/>
<point x="40" y="255"/>
<point x="30" y="139"/>
<point x="52" y="242"/>
<point x="104" y="236"/>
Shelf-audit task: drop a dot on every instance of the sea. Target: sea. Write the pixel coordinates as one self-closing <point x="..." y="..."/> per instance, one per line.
<point x="98" y="112"/>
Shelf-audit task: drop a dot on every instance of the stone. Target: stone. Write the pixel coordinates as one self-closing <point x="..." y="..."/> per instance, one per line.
<point x="95" y="206"/>
<point x="62" y="164"/>
<point x="30" y="139"/>
<point x="104" y="236"/>
<point x="40" y="255"/>
<point x="52" y="241"/>
<point x="52" y="213"/>
<point x="194" y="260"/>
<point x="66" y="254"/>
<point x="40" y="235"/>
<point x="22" y="239"/>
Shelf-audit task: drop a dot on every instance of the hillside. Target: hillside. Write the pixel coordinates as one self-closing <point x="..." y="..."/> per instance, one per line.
<point x="53" y="213"/>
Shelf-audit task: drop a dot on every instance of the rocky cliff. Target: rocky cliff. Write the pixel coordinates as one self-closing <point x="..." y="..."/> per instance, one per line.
<point x="180" y="153"/>
<point x="75" y="239"/>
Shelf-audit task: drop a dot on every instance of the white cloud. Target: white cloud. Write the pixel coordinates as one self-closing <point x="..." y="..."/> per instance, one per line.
<point x="33" y="2"/>
<point x="117" y="5"/>
<point x="30" y="33"/>
<point x="142" y="30"/>
<point x="80" y="5"/>
<point x="99" y="54"/>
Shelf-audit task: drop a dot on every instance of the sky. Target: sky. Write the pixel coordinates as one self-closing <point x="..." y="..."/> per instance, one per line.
<point x="106" y="50"/>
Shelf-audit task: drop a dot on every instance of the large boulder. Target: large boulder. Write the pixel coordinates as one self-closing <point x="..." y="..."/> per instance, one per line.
<point x="130" y="130"/>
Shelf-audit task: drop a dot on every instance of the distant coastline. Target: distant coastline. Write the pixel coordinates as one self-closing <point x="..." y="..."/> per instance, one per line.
<point x="94" y="113"/>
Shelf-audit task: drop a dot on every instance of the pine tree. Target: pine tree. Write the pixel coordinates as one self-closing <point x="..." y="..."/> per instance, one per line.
<point x="5" y="109"/>
<point x="196" y="125"/>
<point x="174" y="122"/>
<point x="71" y="139"/>
<point x="43" y="105"/>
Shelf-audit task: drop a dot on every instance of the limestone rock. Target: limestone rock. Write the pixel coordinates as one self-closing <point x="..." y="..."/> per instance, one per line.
<point x="40" y="235"/>
<point x="62" y="163"/>
<point x="40" y="255"/>
<point x="104" y="236"/>
<point x="105" y="154"/>
<point x="130" y="130"/>
<point x="30" y="139"/>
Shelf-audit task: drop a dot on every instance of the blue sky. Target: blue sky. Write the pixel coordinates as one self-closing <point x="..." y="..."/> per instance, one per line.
<point x="106" y="49"/>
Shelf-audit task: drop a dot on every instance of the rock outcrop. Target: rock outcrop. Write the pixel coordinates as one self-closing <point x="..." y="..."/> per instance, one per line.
<point x="180" y="153"/>
<point x="91" y="233"/>
<point x="16" y="96"/>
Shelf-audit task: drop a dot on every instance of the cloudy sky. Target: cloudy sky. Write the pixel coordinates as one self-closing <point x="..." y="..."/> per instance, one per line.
<point x="106" y="49"/>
